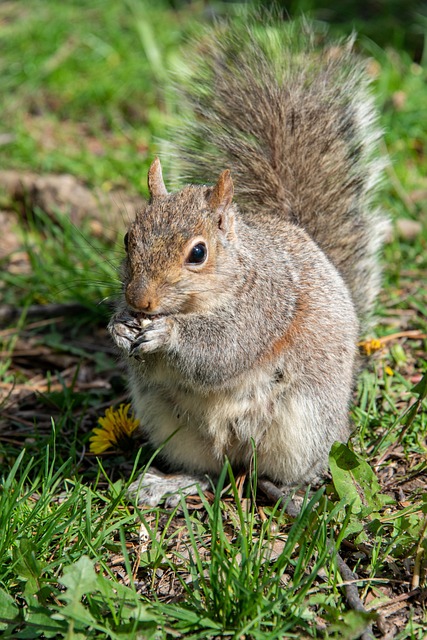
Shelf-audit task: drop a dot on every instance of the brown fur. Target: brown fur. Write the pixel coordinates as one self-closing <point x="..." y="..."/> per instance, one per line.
<point x="299" y="133"/>
<point x="256" y="343"/>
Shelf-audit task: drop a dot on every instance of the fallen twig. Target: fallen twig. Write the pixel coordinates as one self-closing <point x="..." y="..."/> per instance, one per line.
<point x="418" y="556"/>
<point x="9" y="312"/>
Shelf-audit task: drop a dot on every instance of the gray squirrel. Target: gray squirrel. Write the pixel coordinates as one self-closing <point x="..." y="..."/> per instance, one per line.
<point x="244" y="297"/>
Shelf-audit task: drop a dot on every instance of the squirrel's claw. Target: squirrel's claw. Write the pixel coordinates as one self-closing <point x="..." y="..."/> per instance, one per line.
<point x="152" y="338"/>
<point x="153" y="486"/>
<point x="131" y="338"/>
<point x="124" y="332"/>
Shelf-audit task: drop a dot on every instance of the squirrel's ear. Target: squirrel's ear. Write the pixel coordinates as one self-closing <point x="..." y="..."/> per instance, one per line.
<point x="220" y="199"/>
<point x="222" y="193"/>
<point x="156" y="186"/>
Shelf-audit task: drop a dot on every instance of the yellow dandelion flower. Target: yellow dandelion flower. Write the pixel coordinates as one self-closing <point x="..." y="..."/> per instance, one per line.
<point x="370" y="346"/>
<point x="115" y="427"/>
<point x="389" y="371"/>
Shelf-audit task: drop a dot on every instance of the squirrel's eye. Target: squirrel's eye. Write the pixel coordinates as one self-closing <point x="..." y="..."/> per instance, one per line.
<point x="198" y="254"/>
<point x="126" y="241"/>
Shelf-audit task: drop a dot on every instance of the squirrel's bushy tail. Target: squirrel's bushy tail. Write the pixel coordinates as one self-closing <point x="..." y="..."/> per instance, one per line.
<point x="296" y="125"/>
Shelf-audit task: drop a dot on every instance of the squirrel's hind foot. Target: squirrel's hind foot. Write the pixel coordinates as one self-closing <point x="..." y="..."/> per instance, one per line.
<point x="153" y="486"/>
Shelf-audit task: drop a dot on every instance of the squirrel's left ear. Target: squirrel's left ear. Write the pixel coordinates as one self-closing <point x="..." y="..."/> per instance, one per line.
<point x="220" y="199"/>
<point x="156" y="186"/>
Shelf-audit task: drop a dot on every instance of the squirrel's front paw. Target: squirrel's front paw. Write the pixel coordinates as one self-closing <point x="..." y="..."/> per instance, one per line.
<point x="154" y="336"/>
<point x="124" y="329"/>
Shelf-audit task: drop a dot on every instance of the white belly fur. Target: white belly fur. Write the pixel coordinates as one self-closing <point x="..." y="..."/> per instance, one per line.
<point x="204" y="429"/>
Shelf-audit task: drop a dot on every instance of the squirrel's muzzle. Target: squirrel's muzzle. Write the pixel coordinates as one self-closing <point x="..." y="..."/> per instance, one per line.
<point x="140" y="299"/>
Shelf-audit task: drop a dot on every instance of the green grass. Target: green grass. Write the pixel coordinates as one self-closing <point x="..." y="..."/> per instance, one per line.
<point x="90" y="79"/>
<point x="82" y="91"/>
<point x="230" y="570"/>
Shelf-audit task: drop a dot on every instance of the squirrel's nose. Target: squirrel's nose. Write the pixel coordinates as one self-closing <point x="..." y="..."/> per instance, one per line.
<point x="138" y="300"/>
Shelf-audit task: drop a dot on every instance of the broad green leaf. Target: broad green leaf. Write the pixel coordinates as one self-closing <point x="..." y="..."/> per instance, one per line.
<point x="353" y="624"/>
<point x="77" y="612"/>
<point x="355" y="481"/>
<point x="8" y="609"/>
<point x="42" y="619"/>
<point x="79" y="578"/>
<point x="27" y="566"/>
